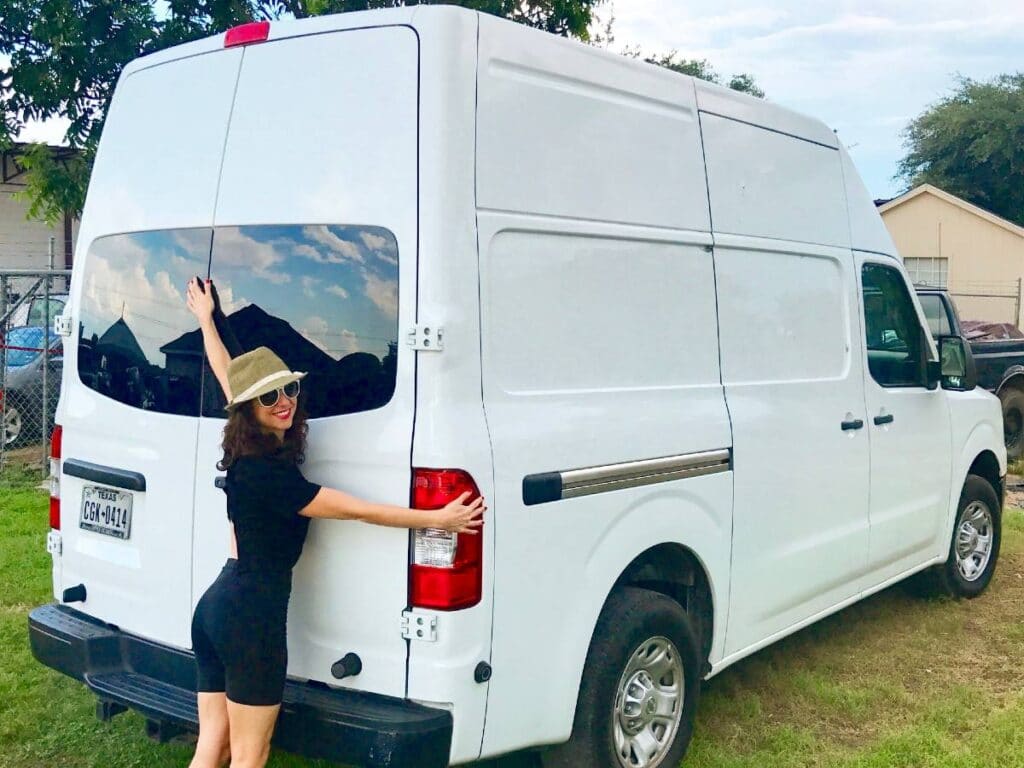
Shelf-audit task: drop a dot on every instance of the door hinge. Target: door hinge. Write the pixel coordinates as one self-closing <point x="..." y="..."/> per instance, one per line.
<point x="53" y="543"/>
<point x="426" y="338"/>
<point x="419" y="625"/>
<point x="62" y="325"/>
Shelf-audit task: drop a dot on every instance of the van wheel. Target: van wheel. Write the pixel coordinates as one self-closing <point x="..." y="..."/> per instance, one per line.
<point x="974" y="550"/>
<point x="1012" y="400"/>
<point x="640" y="687"/>
<point x="13" y="426"/>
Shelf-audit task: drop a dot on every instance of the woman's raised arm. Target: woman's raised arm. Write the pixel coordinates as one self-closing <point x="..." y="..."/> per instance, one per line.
<point x="201" y="304"/>
<point x="457" y="517"/>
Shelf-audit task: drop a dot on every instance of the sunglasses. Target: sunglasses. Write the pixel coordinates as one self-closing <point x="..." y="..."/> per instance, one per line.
<point x="290" y="390"/>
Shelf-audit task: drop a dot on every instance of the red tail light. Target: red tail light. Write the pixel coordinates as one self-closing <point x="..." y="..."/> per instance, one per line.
<point x="447" y="569"/>
<point x="243" y="34"/>
<point x="55" y="450"/>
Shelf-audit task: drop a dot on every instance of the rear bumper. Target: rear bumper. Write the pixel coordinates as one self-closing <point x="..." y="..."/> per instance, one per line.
<point x="350" y="727"/>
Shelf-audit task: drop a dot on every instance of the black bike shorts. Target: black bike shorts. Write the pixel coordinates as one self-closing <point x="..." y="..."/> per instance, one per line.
<point x="239" y="637"/>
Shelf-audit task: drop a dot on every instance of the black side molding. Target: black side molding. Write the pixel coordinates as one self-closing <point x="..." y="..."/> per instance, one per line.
<point x="119" y="478"/>
<point x="542" y="488"/>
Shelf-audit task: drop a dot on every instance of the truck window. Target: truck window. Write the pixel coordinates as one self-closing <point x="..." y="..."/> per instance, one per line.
<point x="935" y="313"/>
<point x="132" y="306"/>
<point x="891" y="329"/>
<point x="324" y="298"/>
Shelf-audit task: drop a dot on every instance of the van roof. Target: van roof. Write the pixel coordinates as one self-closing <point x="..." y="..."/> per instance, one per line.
<point x="711" y="98"/>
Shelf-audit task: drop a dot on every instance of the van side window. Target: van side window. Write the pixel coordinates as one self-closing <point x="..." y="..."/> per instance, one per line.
<point x="324" y="298"/>
<point x="891" y="329"/>
<point x="935" y="314"/>
<point x="133" y="305"/>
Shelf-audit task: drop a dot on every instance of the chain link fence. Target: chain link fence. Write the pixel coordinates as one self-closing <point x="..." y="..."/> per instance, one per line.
<point x="31" y="362"/>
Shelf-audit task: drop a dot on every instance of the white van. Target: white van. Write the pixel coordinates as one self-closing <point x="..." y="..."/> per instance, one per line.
<point x="656" y="323"/>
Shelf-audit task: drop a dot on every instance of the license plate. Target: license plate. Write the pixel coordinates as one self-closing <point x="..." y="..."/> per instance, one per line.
<point x="106" y="511"/>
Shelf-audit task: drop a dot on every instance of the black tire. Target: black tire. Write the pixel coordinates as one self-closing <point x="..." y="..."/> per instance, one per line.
<point x="948" y="578"/>
<point x="1012" y="400"/>
<point x="631" y="619"/>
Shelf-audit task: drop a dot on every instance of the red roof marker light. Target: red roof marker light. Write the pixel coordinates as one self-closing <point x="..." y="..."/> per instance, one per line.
<point x="244" y="34"/>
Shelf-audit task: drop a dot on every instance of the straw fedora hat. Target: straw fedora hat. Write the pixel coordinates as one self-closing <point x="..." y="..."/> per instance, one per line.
<point x="256" y="373"/>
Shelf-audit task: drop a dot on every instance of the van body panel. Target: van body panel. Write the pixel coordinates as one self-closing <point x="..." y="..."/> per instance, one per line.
<point x="142" y="584"/>
<point x="766" y="184"/>
<point x="451" y="430"/>
<point x="557" y="121"/>
<point x="725" y="102"/>
<point x="577" y="391"/>
<point x="135" y="188"/>
<point x="792" y="375"/>
<point x="356" y="164"/>
<point x="867" y="230"/>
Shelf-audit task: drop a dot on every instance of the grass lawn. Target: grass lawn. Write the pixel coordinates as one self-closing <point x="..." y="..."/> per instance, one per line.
<point x="893" y="681"/>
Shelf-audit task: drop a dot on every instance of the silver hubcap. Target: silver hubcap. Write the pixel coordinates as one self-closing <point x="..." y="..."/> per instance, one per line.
<point x="12" y="425"/>
<point x="649" y="704"/>
<point x="973" y="546"/>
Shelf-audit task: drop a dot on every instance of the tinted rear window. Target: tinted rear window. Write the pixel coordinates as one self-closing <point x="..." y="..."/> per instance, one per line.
<point x="324" y="298"/>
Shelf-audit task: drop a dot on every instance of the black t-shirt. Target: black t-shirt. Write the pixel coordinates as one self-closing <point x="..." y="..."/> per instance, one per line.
<point x="265" y="495"/>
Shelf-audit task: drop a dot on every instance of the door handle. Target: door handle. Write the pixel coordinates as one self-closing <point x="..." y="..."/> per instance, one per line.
<point x="852" y="424"/>
<point x="886" y="419"/>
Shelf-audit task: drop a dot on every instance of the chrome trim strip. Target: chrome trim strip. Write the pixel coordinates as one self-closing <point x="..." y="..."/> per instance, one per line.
<point x="715" y="461"/>
<point x="545" y="487"/>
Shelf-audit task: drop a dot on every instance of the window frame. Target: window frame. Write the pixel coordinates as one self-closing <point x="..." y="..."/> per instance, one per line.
<point x="927" y="350"/>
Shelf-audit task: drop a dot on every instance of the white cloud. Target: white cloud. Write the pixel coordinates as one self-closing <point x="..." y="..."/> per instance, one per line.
<point x="383" y="293"/>
<point x="374" y="242"/>
<point x="337" y="250"/>
<point x="237" y="250"/>
<point x="337" y="290"/>
<point x="308" y="285"/>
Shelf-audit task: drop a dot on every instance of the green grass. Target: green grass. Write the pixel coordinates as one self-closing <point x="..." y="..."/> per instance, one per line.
<point x="893" y="682"/>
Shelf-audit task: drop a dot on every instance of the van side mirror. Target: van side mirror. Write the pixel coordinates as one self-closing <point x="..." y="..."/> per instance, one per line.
<point x="958" y="370"/>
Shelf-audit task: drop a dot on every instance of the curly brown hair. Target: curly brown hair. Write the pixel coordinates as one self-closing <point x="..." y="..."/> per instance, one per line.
<point x="243" y="436"/>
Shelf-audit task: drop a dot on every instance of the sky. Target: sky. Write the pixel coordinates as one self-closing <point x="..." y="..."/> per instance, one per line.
<point x="865" y="68"/>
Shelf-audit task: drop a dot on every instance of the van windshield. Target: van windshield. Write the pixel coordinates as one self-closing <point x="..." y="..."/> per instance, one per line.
<point x="323" y="297"/>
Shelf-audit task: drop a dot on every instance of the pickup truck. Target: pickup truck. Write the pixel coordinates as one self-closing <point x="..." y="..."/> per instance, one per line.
<point x="1000" y="364"/>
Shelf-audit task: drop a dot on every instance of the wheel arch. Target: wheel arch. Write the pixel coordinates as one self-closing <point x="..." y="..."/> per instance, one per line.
<point x="675" y="570"/>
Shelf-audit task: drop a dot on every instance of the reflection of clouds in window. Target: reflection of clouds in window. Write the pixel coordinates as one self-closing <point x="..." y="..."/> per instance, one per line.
<point x="315" y="329"/>
<point x="228" y="301"/>
<point x="308" y="284"/>
<point x="338" y="249"/>
<point x="236" y="249"/>
<point x="114" y="290"/>
<point x="338" y="291"/>
<point x="382" y="292"/>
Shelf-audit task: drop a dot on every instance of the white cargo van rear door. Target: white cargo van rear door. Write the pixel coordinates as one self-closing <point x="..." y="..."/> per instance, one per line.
<point x="314" y="255"/>
<point x="129" y="407"/>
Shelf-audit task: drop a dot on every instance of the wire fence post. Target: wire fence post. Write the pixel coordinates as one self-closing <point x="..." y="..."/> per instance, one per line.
<point x="45" y="399"/>
<point x="4" y="287"/>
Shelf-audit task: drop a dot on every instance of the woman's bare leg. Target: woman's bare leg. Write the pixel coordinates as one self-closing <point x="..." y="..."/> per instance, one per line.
<point x="251" y="729"/>
<point x="213" y="747"/>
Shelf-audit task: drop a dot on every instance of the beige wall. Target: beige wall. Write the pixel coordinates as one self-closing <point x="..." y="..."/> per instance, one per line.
<point x="24" y="244"/>
<point x="983" y="257"/>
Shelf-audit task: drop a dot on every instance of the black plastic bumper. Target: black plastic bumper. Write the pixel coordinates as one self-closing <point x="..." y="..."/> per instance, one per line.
<point x="316" y="721"/>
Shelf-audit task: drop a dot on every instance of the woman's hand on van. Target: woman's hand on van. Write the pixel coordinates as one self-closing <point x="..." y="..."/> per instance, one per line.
<point x="200" y="300"/>
<point x="459" y="517"/>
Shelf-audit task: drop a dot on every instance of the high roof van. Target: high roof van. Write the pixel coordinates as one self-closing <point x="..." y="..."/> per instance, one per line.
<point x="656" y="323"/>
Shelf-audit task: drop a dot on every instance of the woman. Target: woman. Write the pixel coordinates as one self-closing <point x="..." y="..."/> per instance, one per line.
<point x="238" y="630"/>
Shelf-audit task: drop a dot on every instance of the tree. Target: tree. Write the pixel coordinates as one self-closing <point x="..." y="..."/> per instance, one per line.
<point x="701" y="68"/>
<point x="971" y="144"/>
<point x="65" y="57"/>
